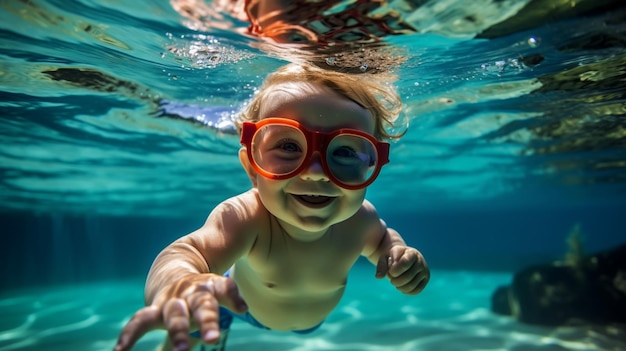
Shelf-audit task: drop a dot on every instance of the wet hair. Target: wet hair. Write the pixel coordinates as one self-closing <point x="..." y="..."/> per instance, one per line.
<point x="375" y="93"/>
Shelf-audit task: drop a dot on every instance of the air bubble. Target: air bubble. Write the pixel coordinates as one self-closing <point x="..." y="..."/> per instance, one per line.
<point x="533" y="42"/>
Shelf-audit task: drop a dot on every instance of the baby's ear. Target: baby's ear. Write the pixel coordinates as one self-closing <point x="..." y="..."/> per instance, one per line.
<point x="247" y="166"/>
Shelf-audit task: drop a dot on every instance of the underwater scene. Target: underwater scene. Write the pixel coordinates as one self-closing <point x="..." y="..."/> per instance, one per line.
<point x="118" y="136"/>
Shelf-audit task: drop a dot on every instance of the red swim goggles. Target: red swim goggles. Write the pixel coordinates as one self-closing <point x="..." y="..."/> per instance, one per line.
<point x="280" y="148"/>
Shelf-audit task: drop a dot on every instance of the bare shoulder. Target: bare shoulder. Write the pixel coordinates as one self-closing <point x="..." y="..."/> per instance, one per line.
<point x="247" y="205"/>
<point x="364" y="224"/>
<point x="367" y="216"/>
<point x="237" y="210"/>
<point x="371" y="226"/>
<point x="369" y="208"/>
<point x="229" y="231"/>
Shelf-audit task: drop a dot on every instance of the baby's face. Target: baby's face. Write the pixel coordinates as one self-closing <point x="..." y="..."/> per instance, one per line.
<point x="309" y="202"/>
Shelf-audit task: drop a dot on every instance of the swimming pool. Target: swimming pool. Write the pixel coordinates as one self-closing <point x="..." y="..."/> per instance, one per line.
<point x="116" y="140"/>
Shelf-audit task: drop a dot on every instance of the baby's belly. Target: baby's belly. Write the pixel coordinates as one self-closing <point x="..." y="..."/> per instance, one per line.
<point x="280" y="313"/>
<point x="289" y="304"/>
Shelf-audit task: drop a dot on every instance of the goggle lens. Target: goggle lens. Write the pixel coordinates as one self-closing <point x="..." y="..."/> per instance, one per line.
<point x="351" y="158"/>
<point x="279" y="149"/>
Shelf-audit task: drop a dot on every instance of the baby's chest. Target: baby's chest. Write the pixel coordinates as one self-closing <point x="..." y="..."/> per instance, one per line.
<point x="313" y="269"/>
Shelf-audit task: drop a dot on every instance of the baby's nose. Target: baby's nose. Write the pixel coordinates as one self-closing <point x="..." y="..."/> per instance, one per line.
<point x="314" y="169"/>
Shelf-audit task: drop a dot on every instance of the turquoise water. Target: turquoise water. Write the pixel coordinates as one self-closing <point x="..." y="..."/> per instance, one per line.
<point x="115" y="141"/>
<point x="452" y="314"/>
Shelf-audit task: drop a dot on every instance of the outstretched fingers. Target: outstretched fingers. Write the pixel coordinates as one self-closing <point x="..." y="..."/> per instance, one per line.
<point x="143" y="321"/>
<point x="227" y="294"/>
<point x="204" y="303"/>
<point x="176" y="319"/>
<point x="200" y="298"/>
<point x="205" y="310"/>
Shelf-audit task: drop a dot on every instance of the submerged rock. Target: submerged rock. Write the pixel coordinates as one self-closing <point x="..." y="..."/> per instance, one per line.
<point x="592" y="291"/>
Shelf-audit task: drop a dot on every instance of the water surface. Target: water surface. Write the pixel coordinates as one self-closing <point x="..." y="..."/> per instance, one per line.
<point x="116" y="139"/>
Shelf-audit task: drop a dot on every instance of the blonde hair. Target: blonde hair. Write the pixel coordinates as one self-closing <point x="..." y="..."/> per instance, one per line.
<point x="374" y="93"/>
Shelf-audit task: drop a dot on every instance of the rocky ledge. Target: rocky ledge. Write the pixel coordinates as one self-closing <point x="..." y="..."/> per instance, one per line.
<point x="589" y="289"/>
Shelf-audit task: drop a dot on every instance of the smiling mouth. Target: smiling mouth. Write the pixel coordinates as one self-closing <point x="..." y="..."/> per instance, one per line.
<point x="316" y="201"/>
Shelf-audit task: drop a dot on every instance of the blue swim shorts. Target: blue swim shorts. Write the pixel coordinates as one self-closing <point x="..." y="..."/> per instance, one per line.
<point x="226" y="319"/>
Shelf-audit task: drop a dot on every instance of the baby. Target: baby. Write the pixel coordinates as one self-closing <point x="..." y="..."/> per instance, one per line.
<point x="278" y="255"/>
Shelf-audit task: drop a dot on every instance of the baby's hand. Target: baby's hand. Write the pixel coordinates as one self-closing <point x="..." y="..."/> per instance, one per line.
<point x="406" y="268"/>
<point x="196" y="297"/>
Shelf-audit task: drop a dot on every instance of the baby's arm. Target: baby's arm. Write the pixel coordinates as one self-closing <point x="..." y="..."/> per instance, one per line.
<point x="404" y="265"/>
<point x="185" y="282"/>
